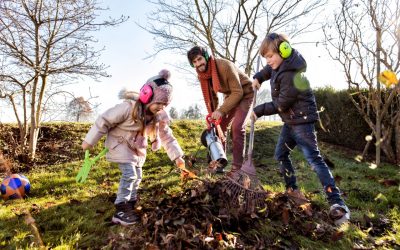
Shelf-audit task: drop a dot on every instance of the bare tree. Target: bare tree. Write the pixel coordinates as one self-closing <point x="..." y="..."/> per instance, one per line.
<point x="173" y="113"/>
<point x="45" y="43"/>
<point x="263" y="96"/>
<point x="364" y="37"/>
<point x="193" y="112"/>
<point x="231" y="29"/>
<point x="79" y="109"/>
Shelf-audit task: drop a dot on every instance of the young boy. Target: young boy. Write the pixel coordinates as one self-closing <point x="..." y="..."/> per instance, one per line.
<point x="294" y="101"/>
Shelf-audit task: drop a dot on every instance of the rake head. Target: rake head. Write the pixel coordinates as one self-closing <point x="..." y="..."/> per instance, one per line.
<point x="243" y="186"/>
<point x="244" y="189"/>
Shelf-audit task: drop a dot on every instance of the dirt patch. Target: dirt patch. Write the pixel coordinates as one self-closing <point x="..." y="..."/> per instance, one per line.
<point x="57" y="143"/>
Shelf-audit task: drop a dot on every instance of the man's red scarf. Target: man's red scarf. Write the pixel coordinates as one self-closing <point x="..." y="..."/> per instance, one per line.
<point x="204" y="77"/>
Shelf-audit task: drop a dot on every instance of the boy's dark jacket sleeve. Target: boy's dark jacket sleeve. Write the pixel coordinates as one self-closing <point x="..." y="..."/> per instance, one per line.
<point x="264" y="74"/>
<point x="282" y="100"/>
<point x="267" y="108"/>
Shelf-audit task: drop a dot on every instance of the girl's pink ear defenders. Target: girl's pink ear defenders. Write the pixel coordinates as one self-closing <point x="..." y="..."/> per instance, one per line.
<point x="146" y="94"/>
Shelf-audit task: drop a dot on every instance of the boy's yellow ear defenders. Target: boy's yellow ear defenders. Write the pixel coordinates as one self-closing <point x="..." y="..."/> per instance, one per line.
<point x="284" y="48"/>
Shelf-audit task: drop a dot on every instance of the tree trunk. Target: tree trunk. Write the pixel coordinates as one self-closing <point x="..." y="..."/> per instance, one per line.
<point x="379" y="99"/>
<point x="34" y="129"/>
<point x="23" y="134"/>
<point x="386" y="145"/>
<point x="33" y="137"/>
<point x="397" y="139"/>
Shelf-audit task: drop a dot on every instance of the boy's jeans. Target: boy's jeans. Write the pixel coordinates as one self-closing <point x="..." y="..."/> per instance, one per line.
<point x="129" y="182"/>
<point x="304" y="136"/>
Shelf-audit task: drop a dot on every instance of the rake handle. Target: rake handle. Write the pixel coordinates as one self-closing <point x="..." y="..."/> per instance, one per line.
<point x="251" y="140"/>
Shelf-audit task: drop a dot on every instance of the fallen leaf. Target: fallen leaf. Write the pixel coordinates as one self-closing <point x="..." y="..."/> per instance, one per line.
<point x="381" y="197"/>
<point x="285" y="216"/>
<point x="337" y="235"/>
<point x="338" y="179"/>
<point x="370" y="177"/>
<point x="152" y="247"/>
<point x="218" y="236"/>
<point x="159" y="222"/>
<point x="307" y="209"/>
<point x="253" y="215"/>
<point x="145" y="219"/>
<point x="181" y="234"/>
<point x="389" y="182"/>
<point x="319" y="230"/>
<point x="209" y="229"/>
<point x="209" y="239"/>
<point x="246" y="182"/>
<point x="388" y="78"/>
<point x="179" y="222"/>
<point x="297" y="197"/>
<point x="373" y="166"/>
<point x="168" y="238"/>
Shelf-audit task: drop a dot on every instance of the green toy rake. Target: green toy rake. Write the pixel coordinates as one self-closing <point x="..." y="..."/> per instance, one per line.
<point x="87" y="165"/>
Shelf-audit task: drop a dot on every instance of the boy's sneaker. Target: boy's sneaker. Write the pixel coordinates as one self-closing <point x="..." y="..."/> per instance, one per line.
<point x="339" y="214"/>
<point x="125" y="215"/>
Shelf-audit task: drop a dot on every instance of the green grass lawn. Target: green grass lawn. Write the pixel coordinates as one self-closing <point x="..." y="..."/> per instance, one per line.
<point x="69" y="215"/>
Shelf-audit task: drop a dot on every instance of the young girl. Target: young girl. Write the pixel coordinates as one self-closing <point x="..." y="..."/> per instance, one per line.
<point x="128" y="126"/>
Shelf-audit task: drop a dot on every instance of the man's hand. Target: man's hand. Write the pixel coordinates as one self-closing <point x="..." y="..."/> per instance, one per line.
<point x="86" y="145"/>
<point x="216" y="115"/>
<point x="255" y="84"/>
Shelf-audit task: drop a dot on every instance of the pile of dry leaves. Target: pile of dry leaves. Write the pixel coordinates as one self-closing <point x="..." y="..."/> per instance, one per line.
<point x="204" y="217"/>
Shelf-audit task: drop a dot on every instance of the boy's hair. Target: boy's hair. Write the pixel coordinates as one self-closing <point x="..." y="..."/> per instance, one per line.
<point x="271" y="43"/>
<point x="195" y="51"/>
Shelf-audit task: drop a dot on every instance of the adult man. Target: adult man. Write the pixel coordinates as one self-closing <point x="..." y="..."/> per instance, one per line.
<point x="221" y="75"/>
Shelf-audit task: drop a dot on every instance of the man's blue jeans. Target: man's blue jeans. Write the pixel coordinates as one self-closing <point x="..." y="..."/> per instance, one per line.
<point x="304" y="136"/>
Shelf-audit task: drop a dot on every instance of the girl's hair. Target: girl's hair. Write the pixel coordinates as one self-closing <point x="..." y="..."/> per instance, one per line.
<point x="138" y="109"/>
<point x="138" y="115"/>
<point x="271" y="43"/>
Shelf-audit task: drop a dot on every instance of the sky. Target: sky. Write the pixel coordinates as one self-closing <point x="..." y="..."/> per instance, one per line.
<point x="126" y="49"/>
<point x="127" y="46"/>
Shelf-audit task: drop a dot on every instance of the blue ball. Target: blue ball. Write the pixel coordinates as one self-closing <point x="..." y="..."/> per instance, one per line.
<point x="15" y="186"/>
